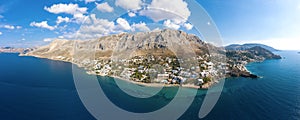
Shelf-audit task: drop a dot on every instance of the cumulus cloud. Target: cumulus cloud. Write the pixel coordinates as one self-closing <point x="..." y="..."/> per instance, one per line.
<point x="61" y="20"/>
<point x="61" y="37"/>
<point x="47" y="39"/>
<point x="104" y="7"/>
<point x="72" y="9"/>
<point x="9" y="27"/>
<point x="131" y="14"/>
<point x="18" y="27"/>
<point x="66" y="8"/>
<point x="1" y="33"/>
<point x="140" y="27"/>
<point x="170" y="24"/>
<point x="129" y="4"/>
<point x="88" y="1"/>
<point x="43" y="24"/>
<point x="123" y="24"/>
<point x="176" y="10"/>
<point x="188" y="26"/>
<point x="95" y="28"/>
<point x="101" y="26"/>
<point x="79" y="18"/>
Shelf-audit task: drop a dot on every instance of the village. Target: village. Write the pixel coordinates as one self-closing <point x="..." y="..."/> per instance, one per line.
<point x="165" y="70"/>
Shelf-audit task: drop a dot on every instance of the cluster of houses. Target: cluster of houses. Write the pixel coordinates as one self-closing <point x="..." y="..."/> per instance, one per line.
<point x="159" y="70"/>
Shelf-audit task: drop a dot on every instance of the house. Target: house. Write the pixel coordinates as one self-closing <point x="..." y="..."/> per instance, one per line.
<point x="200" y="81"/>
<point x="162" y="77"/>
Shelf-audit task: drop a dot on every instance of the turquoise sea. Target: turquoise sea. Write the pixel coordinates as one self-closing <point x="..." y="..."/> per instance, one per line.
<point x="33" y="88"/>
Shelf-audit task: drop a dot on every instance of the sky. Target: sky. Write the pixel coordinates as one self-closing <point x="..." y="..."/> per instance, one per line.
<point x="28" y="23"/>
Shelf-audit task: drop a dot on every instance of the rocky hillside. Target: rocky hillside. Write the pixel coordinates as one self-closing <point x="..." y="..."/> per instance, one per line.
<point x="248" y="46"/>
<point x="160" y="42"/>
<point x="250" y="55"/>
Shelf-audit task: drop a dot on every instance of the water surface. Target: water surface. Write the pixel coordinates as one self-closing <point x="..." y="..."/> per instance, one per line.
<point x="33" y="88"/>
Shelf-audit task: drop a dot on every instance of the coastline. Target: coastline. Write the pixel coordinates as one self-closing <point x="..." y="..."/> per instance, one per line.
<point x="242" y="73"/>
<point x="134" y="82"/>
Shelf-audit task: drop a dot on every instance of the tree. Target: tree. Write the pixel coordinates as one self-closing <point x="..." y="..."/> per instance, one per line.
<point x="206" y="79"/>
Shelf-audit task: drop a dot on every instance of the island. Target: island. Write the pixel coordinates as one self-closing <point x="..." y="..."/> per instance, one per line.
<point x="160" y="57"/>
<point x="15" y="50"/>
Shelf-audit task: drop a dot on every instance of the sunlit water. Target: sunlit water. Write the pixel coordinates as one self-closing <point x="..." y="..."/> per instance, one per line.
<point x="33" y="88"/>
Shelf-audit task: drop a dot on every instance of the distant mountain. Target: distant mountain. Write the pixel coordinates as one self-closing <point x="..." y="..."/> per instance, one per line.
<point x="248" y="46"/>
<point x="260" y="51"/>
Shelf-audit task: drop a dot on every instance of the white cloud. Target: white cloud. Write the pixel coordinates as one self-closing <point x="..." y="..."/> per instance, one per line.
<point x="18" y="27"/>
<point x="95" y="28"/>
<point x="141" y="27"/>
<point x="61" y="37"/>
<point x="104" y="7"/>
<point x="72" y="9"/>
<point x="131" y="14"/>
<point x="47" y="39"/>
<point x="129" y="4"/>
<point x="9" y="27"/>
<point x="66" y="8"/>
<point x="170" y="24"/>
<point x="61" y="19"/>
<point x="123" y="24"/>
<point x="101" y="26"/>
<point x="175" y="10"/>
<point x="23" y="39"/>
<point x="88" y="1"/>
<point x="1" y="33"/>
<point x="43" y="24"/>
<point x="188" y="26"/>
<point x="79" y="18"/>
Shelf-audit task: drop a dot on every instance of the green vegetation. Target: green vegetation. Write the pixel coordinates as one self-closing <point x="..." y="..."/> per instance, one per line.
<point x="207" y="79"/>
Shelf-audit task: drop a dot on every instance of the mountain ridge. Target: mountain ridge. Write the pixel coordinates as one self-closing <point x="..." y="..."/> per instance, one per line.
<point x="248" y="46"/>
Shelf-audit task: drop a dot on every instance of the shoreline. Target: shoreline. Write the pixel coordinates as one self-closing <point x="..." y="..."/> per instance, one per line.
<point x="203" y="87"/>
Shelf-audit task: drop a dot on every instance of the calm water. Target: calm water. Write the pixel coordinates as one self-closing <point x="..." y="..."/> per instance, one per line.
<point x="32" y="88"/>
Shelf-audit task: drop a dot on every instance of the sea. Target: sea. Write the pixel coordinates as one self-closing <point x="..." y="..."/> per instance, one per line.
<point x="34" y="88"/>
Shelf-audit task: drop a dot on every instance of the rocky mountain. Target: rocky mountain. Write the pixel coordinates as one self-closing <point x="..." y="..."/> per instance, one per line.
<point x="248" y="46"/>
<point x="160" y="42"/>
<point x="250" y="55"/>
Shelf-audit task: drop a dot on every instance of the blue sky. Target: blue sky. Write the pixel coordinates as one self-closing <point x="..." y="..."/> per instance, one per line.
<point x="26" y="23"/>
